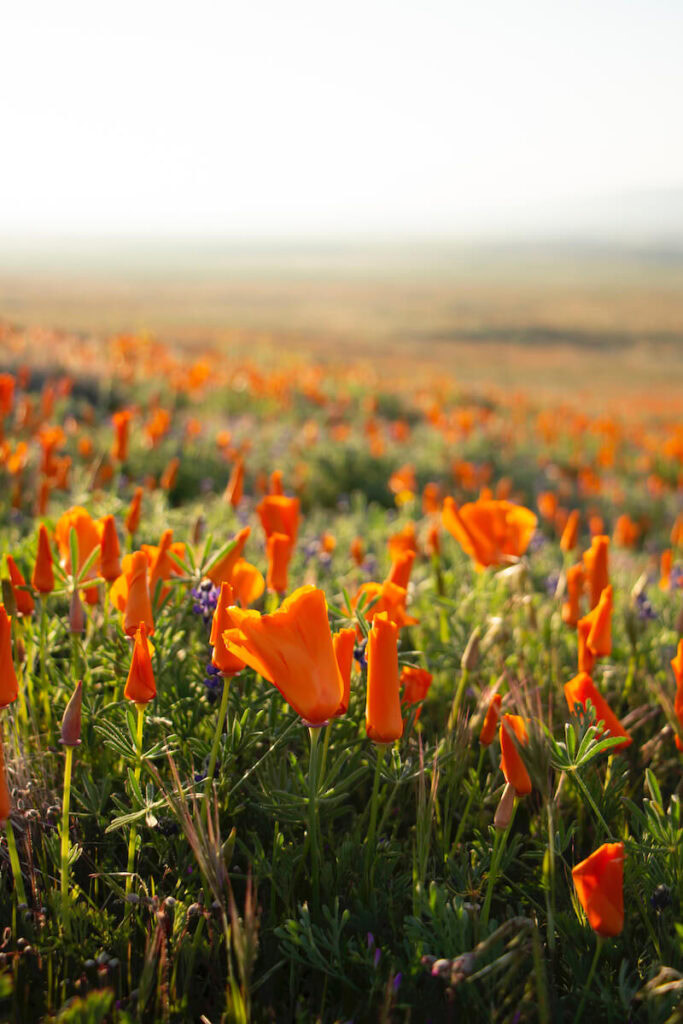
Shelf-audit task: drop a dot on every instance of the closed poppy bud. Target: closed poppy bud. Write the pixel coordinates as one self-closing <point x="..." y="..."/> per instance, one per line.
<point x="121" y="421"/>
<point x="597" y="572"/>
<point x="344" y="643"/>
<point x="600" y="636"/>
<point x="503" y="815"/>
<point x="511" y="763"/>
<point x="665" y="564"/>
<point x="224" y="660"/>
<point x="401" y="569"/>
<point x="76" y="614"/>
<point x="488" y="729"/>
<point x="140" y="685"/>
<point x="415" y="683"/>
<point x="275" y="482"/>
<point x="235" y="488"/>
<point x="581" y="689"/>
<point x="357" y="550"/>
<point x="383" y="721"/>
<point x="5" y="802"/>
<point x="571" y="611"/>
<point x="570" y="534"/>
<point x="9" y="688"/>
<point x="677" y="666"/>
<point x="138" y="603"/>
<point x="71" y="722"/>
<point x="599" y="884"/>
<point x="23" y="600"/>
<point x="279" y="552"/>
<point x="133" y="517"/>
<point x="111" y="552"/>
<point x="586" y="656"/>
<point x="43" y="579"/>
<point x="170" y="474"/>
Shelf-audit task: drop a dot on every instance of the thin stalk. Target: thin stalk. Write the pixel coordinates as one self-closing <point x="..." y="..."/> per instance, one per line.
<point x="584" y="789"/>
<point x="498" y="850"/>
<point x="326" y="743"/>
<point x="43" y="666"/>
<point x="66" y="800"/>
<point x="371" y="841"/>
<point x="213" y="756"/>
<point x="468" y="805"/>
<point x="457" y="700"/>
<point x="16" y="866"/>
<point x="133" y="830"/>
<point x="313" y="814"/>
<point x="586" y="987"/>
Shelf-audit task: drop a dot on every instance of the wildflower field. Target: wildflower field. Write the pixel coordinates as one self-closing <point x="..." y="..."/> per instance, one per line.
<point x="334" y="695"/>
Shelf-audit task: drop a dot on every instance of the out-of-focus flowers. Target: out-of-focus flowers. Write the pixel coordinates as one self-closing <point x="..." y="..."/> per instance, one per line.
<point x="599" y="638"/>
<point x="595" y="561"/>
<point x="121" y="421"/>
<point x="130" y="593"/>
<point x="43" y="578"/>
<point x="279" y="552"/>
<point x="490" y="726"/>
<point x="357" y="550"/>
<point x="490" y="532"/>
<point x="9" y="688"/>
<point x="570" y="533"/>
<point x="571" y="609"/>
<point x="279" y="514"/>
<point x="222" y="570"/>
<point x="579" y="690"/>
<point x="140" y="685"/>
<point x="677" y="666"/>
<point x="293" y="649"/>
<point x="388" y="597"/>
<point x="133" y="516"/>
<point x="22" y="598"/>
<point x="383" y="720"/>
<point x="110" y="561"/>
<point x="88" y="535"/>
<point x="626" y="531"/>
<point x="599" y="884"/>
<point x="235" y="487"/>
<point x="168" y="478"/>
<point x="415" y="683"/>
<point x="401" y="569"/>
<point x="402" y="541"/>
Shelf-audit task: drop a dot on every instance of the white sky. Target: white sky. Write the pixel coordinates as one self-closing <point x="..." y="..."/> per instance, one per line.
<point x="306" y="116"/>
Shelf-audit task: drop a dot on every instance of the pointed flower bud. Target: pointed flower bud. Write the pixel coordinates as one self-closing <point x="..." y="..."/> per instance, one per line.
<point x="71" y="722"/>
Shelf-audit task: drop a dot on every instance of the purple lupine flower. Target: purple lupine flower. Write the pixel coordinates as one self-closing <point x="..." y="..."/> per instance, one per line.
<point x="359" y="655"/>
<point x="644" y="609"/>
<point x="205" y="600"/>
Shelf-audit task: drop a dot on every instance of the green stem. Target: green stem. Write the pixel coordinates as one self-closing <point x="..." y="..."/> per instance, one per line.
<point x="16" y="866"/>
<point x="371" y="841"/>
<point x="463" y="820"/>
<point x="47" y="704"/>
<point x="498" y="850"/>
<point x="457" y="700"/>
<point x="313" y="813"/>
<point x="326" y="743"/>
<point x="133" y="831"/>
<point x="66" y="800"/>
<point x="584" y="789"/>
<point x="586" y="987"/>
<point x="213" y="756"/>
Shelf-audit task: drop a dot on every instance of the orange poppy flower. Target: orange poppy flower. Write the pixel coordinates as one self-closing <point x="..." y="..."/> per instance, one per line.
<point x="415" y="683"/>
<point x="626" y="531"/>
<point x="390" y="599"/>
<point x="677" y="666"/>
<point x="488" y="729"/>
<point x="292" y="648"/>
<point x="43" y="578"/>
<point x="599" y="884"/>
<point x="9" y="688"/>
<point x="5" y="801"/>
<point x="401" y="569"/>
<point x="571" y="611"/>
<point x="247" y="582"/>
<point x="169" y="476"/>
<point x="6" y="394"/>
<point x="279" y="552"/>
<point x="235" y="487"/>
<point x="130" y="593"/>
<point x="383" y="720"/>
<point x="23" y="600"/>
<point x="222" y="658"/>
<point x="88" y="535"/>
<point x="570" y="533"/>
<point x="677" y="532"/>
<point x="490" y="532"/>
<point x="595" y="560"/>
<point x="404" y="540"/>
<point x="511" y="763"/>
<point x="110" y="561"/>
<point x="279" y="514"/>
<point x="121" y="421"/>
<point x="599" y="638"/>
<point x="133" y="517"/>
<point x="586" y="656"/>
<point x="580" y="689"/>
<point x="140" y="685"/>
<point x="344" y="643"/>
<point x="665" y="565"/>
<point x="547" y="504"/>
<point x="275" y="482"/>
<point x="357" y="550"/>
<point x="222" y="571"/>
<point x="161" y="565"/>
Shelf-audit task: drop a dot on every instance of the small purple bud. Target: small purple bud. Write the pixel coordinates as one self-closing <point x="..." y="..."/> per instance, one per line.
<point x="378" y="956"/>
<point x="396" y="983"/>
<point x="371" y="940"/>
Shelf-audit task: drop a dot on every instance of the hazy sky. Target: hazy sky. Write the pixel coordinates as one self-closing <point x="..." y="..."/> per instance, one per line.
<point x="307" y="116"/>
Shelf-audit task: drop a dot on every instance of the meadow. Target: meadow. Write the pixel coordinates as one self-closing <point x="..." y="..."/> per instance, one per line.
<point x="342" y="671"/>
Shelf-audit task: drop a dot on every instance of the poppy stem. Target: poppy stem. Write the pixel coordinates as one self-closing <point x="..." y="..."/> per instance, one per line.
<point x="586" y="987"/>
<point x="465" y="813"/>
<point x="132" y="842"/>
<point x="66" y="800"/>
<point x="584" y="789"/>
<point x="371" y="842"/>
<point x="16" y="866"/>
<point x="213" y="756"/>
<point x="457" y="700"/>
<point x="499" y="845"/>
<point x="313" y="813"/>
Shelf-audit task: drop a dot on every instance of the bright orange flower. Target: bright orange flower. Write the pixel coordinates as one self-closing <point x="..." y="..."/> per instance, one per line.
<point x="279" y="514"/>
<point x="415" y="683"/>
<point x="665" y="565"/>
<point x="22" y="598"/>
<point x="488" y="729"/>
<point x="222" y="658"/>
<point x="677" y="666"/>
<point x="170" y="474"/>
<point x="130" y="593"/>
<point x="404" y="540"/>
<point x="570" y="534"/>
<point x="6" y="394"/>
<point x="235" y="488"/>
<point x="403" y="480"/>
<point x="43" y="578"/>
<point x="596" y="526"/>
<point x="586" y="656"/>
<point x="490" y="532"/>
<point x="595" y="559"/>
<point x="222" y="571"/>
<point x="599" y="883"/>
<point x="677" y="532"/>
<point x="600" y="636"/>
<point x="161" y="565"/>
<point x="580" y="689"/>
<point x="5" y="801"/>
<point x="357" y="550"/>
<point x="547" y="504"/>
<point x="626" y="531"/>
<point x="279" y="552"/>
<point x="571" y="611"/>
<point x="140" y="685"/>
<point x="328" y="543"/>
<point x="293" y="649"/>
<point x="383" y="720"/>
<point x="247" y="582"/>
<point x="9" y="688"/>
<point x="511" y="763"/>
<point x="401" y="569"/>
<point x="344" y="643"/>
<point x="121" y="421"/>
<point x="110" y="561"/>
<point x="431" y="499"/>
<point x="391" y="599"/>
<point x="275" y="482"/>
<point x="133" y="517"/>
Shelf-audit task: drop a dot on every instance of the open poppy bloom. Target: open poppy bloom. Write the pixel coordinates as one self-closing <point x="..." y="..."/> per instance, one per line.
<point x="677" y="666"/>
<point x="292" y="649"/>
<point x="344" y="643"/>
<point x="222" y="570"/>
<point x="490" y="532"/>
<point x="415" y="683"/>
<point x="279" y="514"/>
<point x="222" y="658"/>
<point x="511" y="763"/>
<point x="130" y="593"/>
<point x="140" y="685"/>
<point x="9" y="688"/>
<point x="383" y="720"/>
<point x="599" y="884"/>
<point x="390" y="599"/>
<point x="580" y="689"/>
<point x="88" y="534"/>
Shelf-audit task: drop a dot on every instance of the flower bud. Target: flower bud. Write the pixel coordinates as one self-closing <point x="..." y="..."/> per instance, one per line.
<point x="470" y="656"/>
<point x="71" y="722"/>
<point x="503" y="814"/>
<point x="76" y="614"/>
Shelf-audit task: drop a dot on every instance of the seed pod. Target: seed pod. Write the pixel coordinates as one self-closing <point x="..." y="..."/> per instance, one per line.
<point x="71" y="722"/>
<point x="504" y="810"/>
